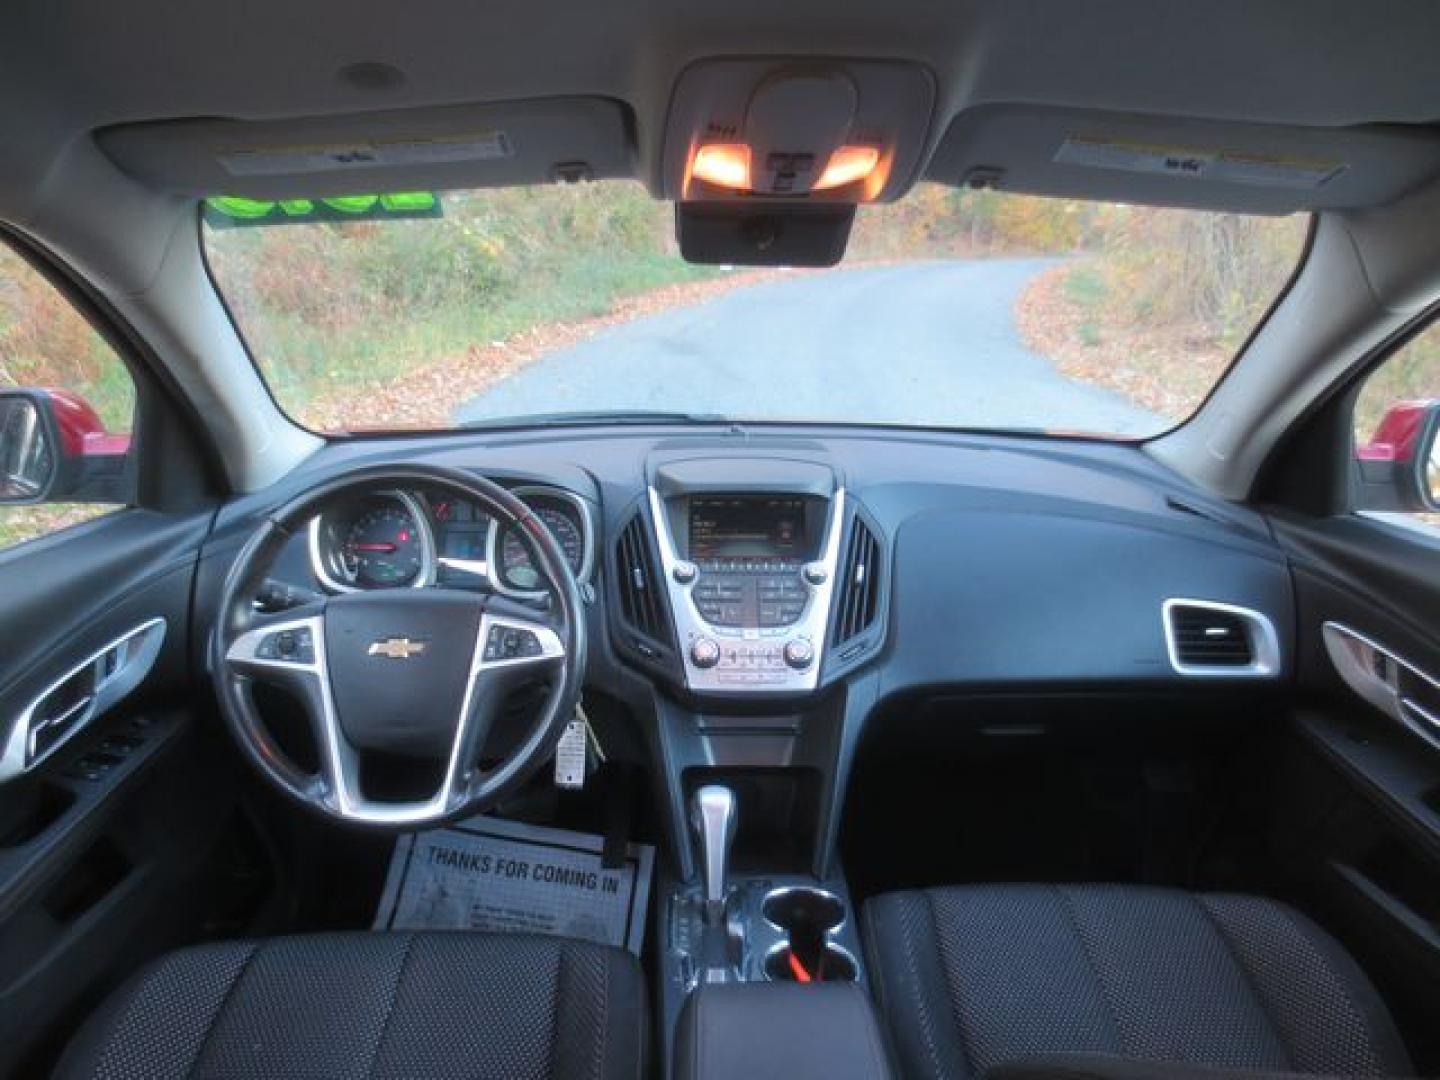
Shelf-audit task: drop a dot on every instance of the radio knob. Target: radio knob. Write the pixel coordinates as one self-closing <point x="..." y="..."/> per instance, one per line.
<point x="814" y="573"/>
<point x="684" y="572"/>
<point x="704" y="653"/>
<point x="799" y="653"/>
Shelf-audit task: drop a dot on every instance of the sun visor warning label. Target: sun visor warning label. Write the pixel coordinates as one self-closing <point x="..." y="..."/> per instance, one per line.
<point x="1187" y="162"/>
<point x="488" y="874"/>
<point x="330" y="157"/>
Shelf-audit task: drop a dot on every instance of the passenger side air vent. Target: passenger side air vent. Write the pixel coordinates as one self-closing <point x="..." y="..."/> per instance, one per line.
<point x="857" y="589"/>
<point x="1206" y="638"/>
<point x="641" y="603"/>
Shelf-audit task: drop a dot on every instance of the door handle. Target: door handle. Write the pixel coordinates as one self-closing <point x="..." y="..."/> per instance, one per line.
<point x="1396" y="687"/>
<point x="84" y="692"/>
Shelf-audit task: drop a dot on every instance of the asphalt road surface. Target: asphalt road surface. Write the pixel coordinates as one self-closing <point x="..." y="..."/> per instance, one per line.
<point x="929" y="343"/>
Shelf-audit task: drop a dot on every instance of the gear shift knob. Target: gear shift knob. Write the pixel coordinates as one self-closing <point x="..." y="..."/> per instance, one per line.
<point x="712" y="815"/>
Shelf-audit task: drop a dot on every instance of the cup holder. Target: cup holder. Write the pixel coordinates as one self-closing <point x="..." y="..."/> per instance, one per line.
<point x="825" y="962"/>
<point x="803" y="911"/>
<point x="808" y="917"/>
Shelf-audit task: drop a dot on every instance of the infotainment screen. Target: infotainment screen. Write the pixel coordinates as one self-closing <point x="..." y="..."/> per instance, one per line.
<point x="748" y="527"/>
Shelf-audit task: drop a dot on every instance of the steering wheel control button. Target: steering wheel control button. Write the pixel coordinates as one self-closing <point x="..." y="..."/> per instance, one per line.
<point x="704" y="653"/>
<point x="294" y="646"/>
<point x="511" y="643"/>
<point x="799" y="653"/>
<point x="684" y="572"/>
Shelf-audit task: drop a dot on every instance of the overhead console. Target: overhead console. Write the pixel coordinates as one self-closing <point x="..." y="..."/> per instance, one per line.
<point x="768" y="158"/>
<point x="749" y="552"/>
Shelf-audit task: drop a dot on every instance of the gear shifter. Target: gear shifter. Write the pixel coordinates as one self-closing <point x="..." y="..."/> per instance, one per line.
<point x="712" y="815"/>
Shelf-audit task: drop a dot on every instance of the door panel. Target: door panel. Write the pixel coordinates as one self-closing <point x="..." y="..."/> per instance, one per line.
<point x="1360" y="816"/>
<point x="101" y="841"/>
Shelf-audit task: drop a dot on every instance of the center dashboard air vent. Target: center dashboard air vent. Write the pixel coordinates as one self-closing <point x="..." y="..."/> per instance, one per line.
<point x="642" y="605"/>
<point x="1208" y="638"/>
<point x="857" y="589"/>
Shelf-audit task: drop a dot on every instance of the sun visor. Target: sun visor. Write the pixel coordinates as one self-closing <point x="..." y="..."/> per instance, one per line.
<point x="521" y="142"/>
<point x="1201" y="164"/>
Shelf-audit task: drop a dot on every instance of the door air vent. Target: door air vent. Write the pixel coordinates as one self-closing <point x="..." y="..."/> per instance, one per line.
<point x="640" y="586"/>
<point x="1208" y="638"/>
<point x="857" y="591"/>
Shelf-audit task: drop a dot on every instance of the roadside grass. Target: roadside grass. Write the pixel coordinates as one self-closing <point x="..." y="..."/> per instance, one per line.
<point x="304" y="362"/>
<point x="20" y="523"/>
<point x="336" y="309"/>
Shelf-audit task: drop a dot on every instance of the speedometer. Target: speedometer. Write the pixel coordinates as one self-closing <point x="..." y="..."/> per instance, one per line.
<point x="566" y="521"/>
<point x="377" y="540"/>
<point x="384" y="548"/>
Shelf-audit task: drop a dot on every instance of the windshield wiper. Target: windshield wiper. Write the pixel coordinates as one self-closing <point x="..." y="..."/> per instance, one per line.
<point x="599" y="416"/>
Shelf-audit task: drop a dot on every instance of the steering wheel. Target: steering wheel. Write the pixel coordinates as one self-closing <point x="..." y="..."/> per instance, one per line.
<point x="419" y="673"/>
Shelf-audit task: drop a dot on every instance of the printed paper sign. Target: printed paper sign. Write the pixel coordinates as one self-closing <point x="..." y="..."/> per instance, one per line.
<point x="488" y="874"/>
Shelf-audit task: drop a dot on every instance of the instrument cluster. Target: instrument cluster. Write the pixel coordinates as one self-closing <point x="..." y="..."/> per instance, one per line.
<point x="415" y="539"/>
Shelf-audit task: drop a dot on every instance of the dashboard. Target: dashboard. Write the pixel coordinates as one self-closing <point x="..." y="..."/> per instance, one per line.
<point x="720" y="563"/>
<point x="419" y="539"/>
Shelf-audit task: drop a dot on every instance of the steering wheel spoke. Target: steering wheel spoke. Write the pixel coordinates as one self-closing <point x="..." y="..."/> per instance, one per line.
<point x="288" y="652"/>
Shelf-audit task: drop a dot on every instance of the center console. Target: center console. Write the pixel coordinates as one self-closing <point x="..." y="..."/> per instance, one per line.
<point x="749" y="565"/>
<point x="754" y="751"/>
<point x="746" y="953"/>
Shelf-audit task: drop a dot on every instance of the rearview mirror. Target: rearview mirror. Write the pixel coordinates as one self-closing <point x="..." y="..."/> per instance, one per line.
<point x="29" y="464"/>
<point x="763" y="234"/>
<point x="54" y="448"/>
<point x="1400" y="464"/>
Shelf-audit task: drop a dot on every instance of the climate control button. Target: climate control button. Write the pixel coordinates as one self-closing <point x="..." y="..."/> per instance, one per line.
<point x="799" y="653"/>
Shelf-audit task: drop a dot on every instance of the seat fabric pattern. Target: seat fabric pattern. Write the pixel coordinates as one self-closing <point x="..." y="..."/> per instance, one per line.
<point x="974" y="977"/>
<point x="381" y="1006"/>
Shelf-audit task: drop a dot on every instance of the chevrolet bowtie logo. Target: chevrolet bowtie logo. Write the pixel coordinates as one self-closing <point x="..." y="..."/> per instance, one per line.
<point x="396" y="648"/>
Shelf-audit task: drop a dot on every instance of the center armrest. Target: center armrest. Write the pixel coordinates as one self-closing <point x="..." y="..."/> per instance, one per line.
<point x="780" y="1030"/>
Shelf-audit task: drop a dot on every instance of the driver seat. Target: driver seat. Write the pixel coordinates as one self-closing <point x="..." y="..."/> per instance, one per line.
<point x="377" y="1005"/>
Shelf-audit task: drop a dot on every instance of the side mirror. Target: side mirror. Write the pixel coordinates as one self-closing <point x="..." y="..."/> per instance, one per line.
<point x="29" y="459"/>
<point x="55" y="448"/>
<point x="1400" y="465"/>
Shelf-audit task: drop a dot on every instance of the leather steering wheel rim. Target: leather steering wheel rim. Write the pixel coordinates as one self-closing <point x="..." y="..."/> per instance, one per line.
<point x="234" y="671"/>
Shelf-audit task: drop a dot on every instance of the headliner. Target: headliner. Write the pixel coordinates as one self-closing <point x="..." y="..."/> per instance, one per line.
<point x="68" y="67"/>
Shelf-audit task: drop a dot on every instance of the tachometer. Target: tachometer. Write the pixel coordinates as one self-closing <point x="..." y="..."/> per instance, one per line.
<point x="566" y="521"/>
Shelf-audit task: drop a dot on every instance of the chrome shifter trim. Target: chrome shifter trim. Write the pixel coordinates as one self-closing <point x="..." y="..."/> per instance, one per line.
<point x="691" y="626"/>
<point x="712" y="814"/>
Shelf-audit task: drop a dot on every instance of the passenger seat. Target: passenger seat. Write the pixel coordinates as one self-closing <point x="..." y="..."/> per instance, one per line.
<point x="978" y="978"/>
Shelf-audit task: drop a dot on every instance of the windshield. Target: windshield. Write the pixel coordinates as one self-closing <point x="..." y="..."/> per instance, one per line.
<point x="953" y="308"/>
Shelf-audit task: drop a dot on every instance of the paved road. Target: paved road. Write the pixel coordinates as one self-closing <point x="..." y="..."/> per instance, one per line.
<point x="921" y="343"/>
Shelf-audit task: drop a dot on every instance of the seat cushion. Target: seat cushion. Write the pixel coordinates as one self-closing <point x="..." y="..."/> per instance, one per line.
<point x="971" y="978"/>
<point x="381" y="1005"/>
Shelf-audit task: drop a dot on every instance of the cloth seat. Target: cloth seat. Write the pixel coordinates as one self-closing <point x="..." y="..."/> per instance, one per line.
<point x="974" y="978"/>
<point x="372" y="1005"/>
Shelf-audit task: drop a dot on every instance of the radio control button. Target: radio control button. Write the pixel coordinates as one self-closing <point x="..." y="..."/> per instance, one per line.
<point x="799" y="653"/>
<point x="704" y="653"/>
<point x="815" y="573"/>
<point x="684" y="572"/>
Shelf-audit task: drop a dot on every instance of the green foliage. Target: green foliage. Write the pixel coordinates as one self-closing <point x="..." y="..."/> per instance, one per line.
<point x="1086" y="286"/>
